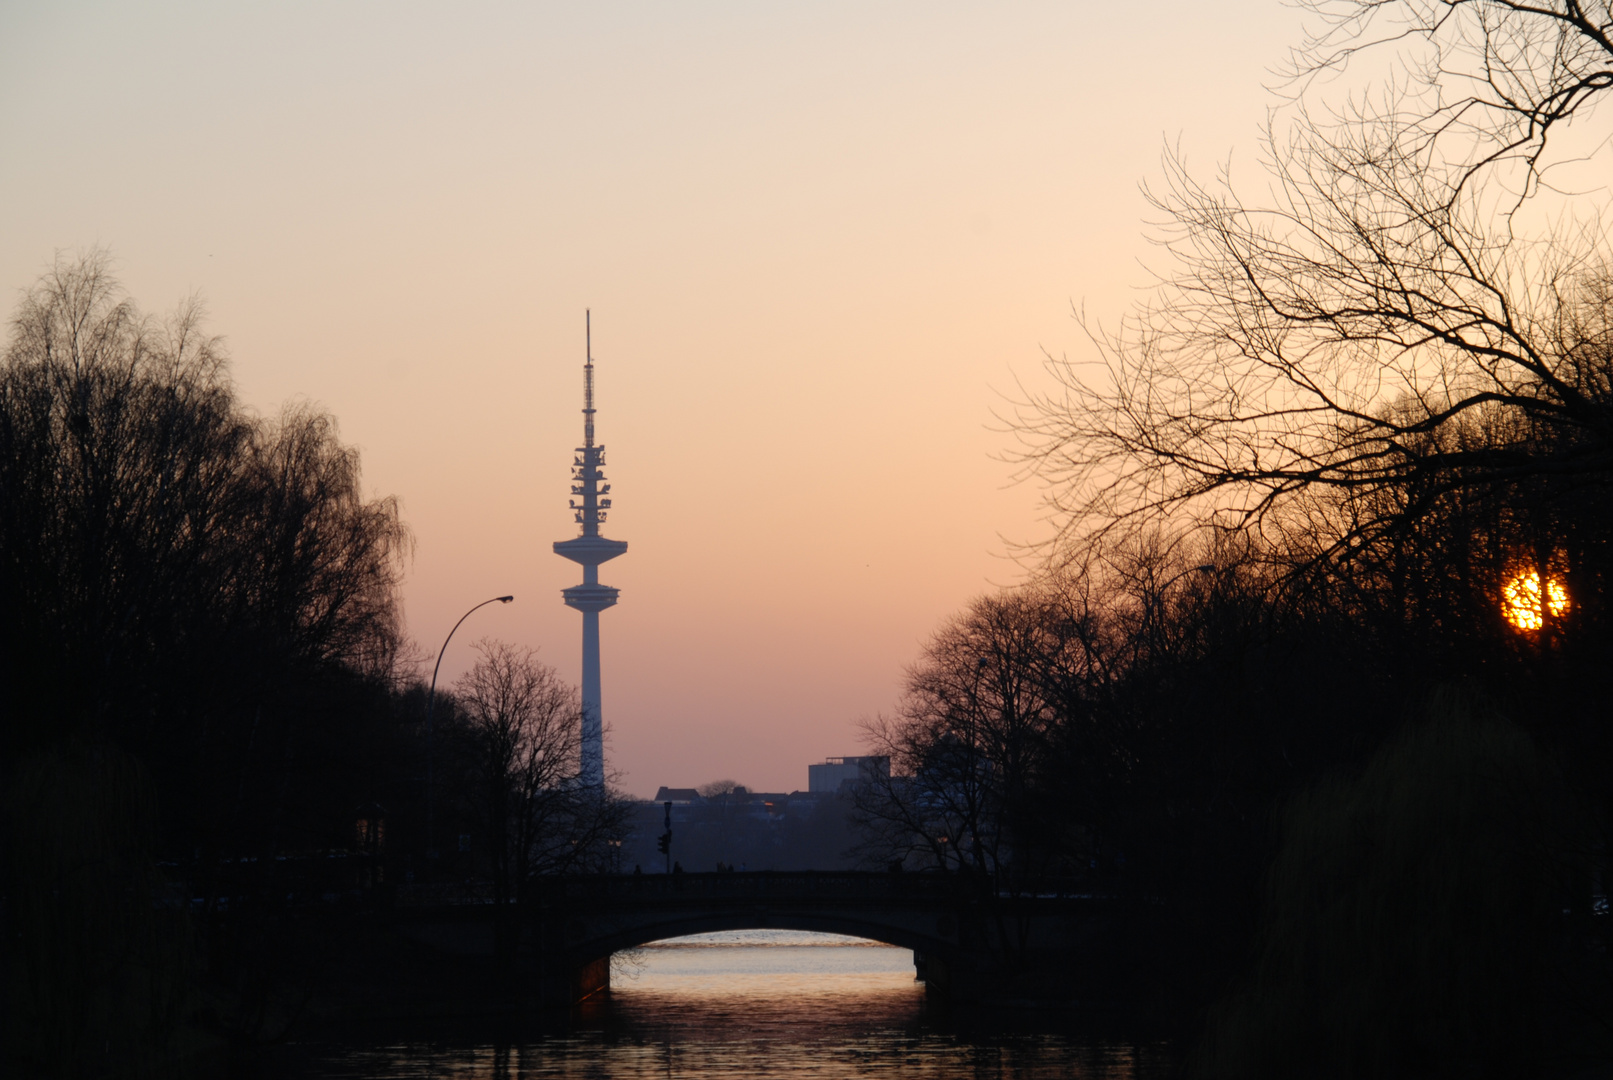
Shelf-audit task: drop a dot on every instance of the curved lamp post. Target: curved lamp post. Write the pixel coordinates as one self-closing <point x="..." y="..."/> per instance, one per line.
<point x="431" y="704"/>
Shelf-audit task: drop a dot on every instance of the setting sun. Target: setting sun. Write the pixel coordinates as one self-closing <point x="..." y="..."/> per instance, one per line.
<point x="1520" y="600"/>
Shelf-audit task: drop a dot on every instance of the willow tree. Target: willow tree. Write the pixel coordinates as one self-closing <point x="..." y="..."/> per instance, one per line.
<point x="187" y="589"/>
<point x="166" y="556"/>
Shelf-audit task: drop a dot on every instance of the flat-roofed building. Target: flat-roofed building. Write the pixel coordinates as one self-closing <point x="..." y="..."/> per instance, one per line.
<point x="835" y="772"/>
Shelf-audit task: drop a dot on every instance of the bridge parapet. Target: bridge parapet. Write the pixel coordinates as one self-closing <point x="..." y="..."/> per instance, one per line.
<point x="795" y="886"/>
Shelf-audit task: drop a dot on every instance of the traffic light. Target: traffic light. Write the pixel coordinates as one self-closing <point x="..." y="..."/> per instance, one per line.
<point x="664" y="843"/>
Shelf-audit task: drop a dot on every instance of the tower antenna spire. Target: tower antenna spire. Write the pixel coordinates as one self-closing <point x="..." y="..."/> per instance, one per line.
<point x="588" y="379"/>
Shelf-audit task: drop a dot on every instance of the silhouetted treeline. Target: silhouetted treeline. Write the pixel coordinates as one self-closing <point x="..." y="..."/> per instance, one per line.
<point x="1185" y="725"/>
<point x="199" y="637"/>
<point x="1373" y="393"/>
<point x="214" y="760"/>
<point x="1356" y="744"/>
<point x="180" y="578"/>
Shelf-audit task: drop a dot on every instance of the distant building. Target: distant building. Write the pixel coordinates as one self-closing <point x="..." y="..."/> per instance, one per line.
<point x="835" y="772"/>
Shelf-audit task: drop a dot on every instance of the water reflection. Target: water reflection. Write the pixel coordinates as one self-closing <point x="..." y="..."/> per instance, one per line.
<point x="755" y="1004"/>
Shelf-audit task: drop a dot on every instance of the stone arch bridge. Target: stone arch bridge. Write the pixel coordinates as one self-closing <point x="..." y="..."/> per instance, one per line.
<point x="970" y="942"/>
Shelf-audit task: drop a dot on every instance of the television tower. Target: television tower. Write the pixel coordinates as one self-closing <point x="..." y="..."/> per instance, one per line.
<point x="590" y="549"/>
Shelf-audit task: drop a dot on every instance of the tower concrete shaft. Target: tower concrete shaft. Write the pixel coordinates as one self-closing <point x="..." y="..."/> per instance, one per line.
<point x="590" y="549"/>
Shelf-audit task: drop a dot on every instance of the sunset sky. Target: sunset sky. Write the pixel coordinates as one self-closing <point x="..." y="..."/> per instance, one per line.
<point x="823" y="243"/>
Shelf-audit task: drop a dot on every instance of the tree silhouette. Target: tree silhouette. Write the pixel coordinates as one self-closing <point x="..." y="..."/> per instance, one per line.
<point x="200" y="608"/>
<point x="520" y="727"/>
<point x="1382" y="321"/>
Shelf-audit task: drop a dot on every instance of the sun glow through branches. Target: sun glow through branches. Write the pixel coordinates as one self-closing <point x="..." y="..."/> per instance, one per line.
<point x="1520" y="600"/>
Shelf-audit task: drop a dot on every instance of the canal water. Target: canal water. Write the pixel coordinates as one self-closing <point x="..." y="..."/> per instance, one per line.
<point x="755" y="1005"/>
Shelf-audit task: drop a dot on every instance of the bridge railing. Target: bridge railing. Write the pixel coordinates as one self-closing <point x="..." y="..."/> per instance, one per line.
<point x="794" y="885"/>
<point x="574" y="890"/>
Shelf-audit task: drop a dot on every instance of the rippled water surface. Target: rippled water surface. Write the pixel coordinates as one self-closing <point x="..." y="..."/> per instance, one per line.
<point x="754" y="1004"/>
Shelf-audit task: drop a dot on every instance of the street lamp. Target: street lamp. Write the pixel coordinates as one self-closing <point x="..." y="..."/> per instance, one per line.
<point x="431" y="704"/>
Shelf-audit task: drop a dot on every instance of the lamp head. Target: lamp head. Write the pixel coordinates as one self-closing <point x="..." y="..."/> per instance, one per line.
<point x="505" y="599"/>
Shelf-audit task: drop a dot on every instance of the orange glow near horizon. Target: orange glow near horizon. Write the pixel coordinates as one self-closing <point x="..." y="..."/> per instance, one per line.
<point x="1521" y="600"/>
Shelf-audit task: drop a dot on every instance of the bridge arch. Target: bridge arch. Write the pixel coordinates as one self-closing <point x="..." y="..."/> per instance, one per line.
<point x="578" y="922"/>
<point x="588" y="947"/>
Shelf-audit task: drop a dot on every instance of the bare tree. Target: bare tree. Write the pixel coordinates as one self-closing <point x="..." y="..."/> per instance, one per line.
<point x="524" y="727"/>
<point x="1036" y="721"/>
<point x="1387" y="370"/>
<point x="967" y="741"/>
<point x="1381" y="319"/>
<point x="1481" y="87"/>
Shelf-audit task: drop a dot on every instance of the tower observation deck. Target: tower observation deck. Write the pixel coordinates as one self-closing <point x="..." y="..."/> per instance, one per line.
<point x="590" y="549"/>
